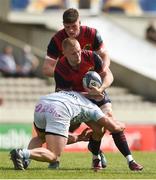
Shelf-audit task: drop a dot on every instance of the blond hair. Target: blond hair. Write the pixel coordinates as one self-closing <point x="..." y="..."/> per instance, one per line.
<point x="69" y="43"/>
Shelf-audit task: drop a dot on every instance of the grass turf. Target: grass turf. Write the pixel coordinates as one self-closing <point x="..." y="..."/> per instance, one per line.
<point x="77" y="166"/>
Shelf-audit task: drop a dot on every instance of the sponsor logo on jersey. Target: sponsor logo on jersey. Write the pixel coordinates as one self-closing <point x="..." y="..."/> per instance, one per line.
<point x="87" y="47"/>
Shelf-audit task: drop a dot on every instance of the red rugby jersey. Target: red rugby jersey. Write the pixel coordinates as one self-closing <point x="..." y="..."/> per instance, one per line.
<point x="88" y="38"/>
<point x="68" y="78"/>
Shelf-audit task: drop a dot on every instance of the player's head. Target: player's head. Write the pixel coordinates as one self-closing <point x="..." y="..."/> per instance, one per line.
<point x="71" y="22"/>
<point x="72" y="51"/>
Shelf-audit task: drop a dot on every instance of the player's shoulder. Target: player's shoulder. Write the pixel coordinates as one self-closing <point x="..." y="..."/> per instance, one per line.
<point x="88" y="31"/>
<point x="61" y="34"/>
<point x="84" y="28"/>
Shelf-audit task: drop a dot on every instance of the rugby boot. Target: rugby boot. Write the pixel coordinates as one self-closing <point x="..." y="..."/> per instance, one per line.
<point x="135" y="166"/>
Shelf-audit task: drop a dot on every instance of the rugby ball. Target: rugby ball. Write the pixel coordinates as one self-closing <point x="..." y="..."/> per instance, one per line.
<point x="92" y="79"/>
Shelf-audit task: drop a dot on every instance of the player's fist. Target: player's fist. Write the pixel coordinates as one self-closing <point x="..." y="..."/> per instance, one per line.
<point x="85" y="135"/>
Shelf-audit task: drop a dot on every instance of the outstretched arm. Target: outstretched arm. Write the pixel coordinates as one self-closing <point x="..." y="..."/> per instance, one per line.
<point x="83" y="136"/>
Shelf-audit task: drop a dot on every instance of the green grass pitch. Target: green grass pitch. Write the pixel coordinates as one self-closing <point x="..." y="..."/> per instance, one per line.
<point x="77" y="166"/>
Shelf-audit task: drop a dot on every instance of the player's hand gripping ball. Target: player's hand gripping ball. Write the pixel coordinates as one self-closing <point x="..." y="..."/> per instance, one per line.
<point x="92" y="79"/>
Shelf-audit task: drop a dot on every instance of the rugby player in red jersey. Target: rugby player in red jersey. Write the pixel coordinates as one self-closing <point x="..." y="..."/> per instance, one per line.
<point x="89" y="39"/>
<point x="68" y="75"/>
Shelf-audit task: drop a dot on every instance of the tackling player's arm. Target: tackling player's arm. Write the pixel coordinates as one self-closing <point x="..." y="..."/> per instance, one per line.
<point x="83" y="136"/>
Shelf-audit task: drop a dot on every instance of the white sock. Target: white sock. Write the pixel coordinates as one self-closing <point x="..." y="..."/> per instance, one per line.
<point x="96" y="157"/>
<point x="26" y="153"/>
<point x="129" y="158"/>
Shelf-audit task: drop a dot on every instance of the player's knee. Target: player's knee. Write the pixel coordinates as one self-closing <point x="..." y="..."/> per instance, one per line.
<point x="53" y="158"/>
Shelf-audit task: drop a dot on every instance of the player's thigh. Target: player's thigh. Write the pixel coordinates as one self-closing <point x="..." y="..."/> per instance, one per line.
<point x="56" y="143"/>
<point x="57" y="123"/>
<point x="58" y="119"/>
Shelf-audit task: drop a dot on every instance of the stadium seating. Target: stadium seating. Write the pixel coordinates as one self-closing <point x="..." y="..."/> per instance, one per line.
<point x="19" y="97"/>
<point x="21" y="94"/>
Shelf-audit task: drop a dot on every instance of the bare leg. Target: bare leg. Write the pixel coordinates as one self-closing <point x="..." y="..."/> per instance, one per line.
<point x="35" y="142"/>
<point x="121" y="141"/>
<point x="42" y="154"/>
<point x="38" y="140"/>
<point x="55" y="146"/>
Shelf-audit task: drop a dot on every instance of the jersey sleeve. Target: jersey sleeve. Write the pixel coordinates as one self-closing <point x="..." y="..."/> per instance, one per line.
<point x="61" y="83"/>
<point x="98" y="63"/>
<point x="53" y="49"/>
<point x="98" y="42"/>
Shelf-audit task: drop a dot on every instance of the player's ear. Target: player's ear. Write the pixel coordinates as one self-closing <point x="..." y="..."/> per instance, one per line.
<point x="79" y="22"/>
<point x="63" y="52"/>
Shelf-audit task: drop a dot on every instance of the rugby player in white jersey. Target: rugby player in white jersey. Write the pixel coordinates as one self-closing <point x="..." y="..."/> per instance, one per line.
<point x="52" y="117"/>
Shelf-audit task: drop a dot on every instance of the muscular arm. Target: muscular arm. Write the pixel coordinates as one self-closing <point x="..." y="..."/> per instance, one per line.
<point x="105" y="57"/>
<point x="49" y="66"/>
<point x="107" y="77"/>
<point x="101" y="50"/>
<point x="97" y="93"/>
<point x="72" y="139"/>
<point x="83" y="136"/>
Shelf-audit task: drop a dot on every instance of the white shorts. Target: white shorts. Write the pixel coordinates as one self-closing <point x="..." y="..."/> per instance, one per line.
<point x="53" y="118"/>
<point x="55" y="112"/>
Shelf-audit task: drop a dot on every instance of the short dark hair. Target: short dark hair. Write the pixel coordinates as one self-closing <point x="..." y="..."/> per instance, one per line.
<point x="71" y="15"/>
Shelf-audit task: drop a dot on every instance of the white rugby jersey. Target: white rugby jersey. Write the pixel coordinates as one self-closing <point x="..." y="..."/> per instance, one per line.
<point x="80" y="108"/>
